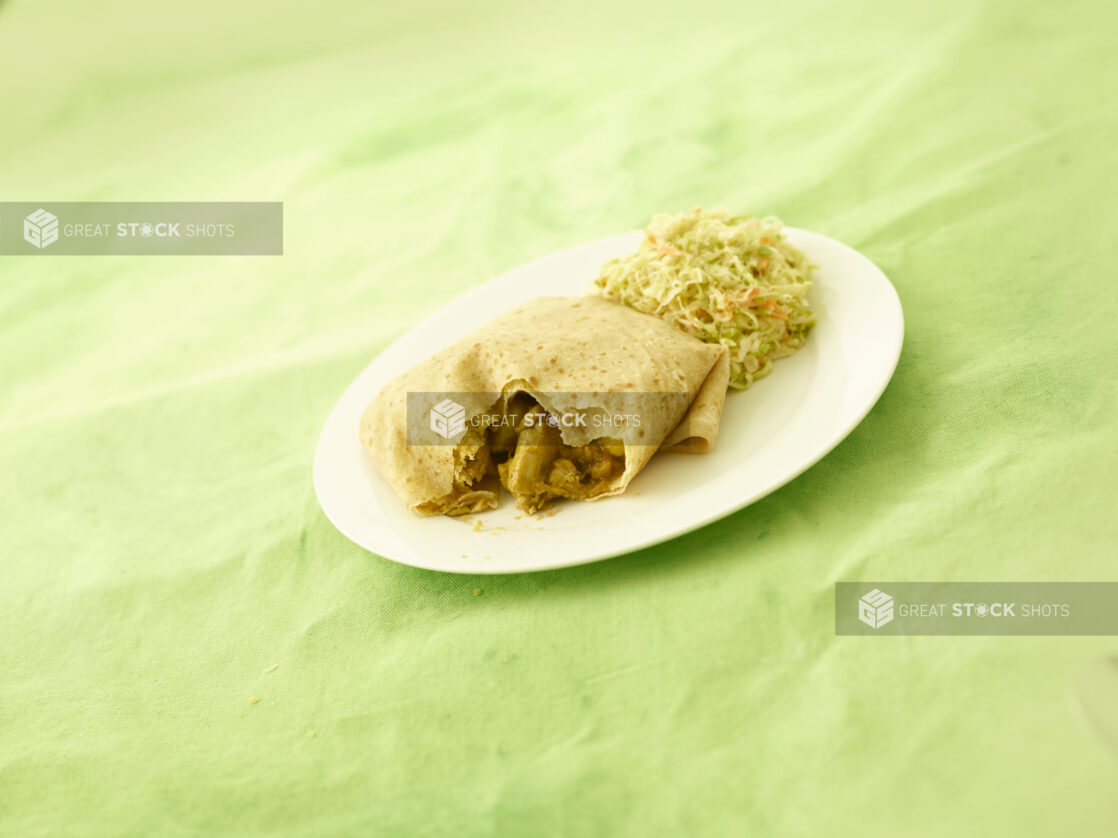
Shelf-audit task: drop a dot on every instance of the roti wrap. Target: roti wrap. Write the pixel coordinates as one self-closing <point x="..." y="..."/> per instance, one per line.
<point x="639" y="384"/>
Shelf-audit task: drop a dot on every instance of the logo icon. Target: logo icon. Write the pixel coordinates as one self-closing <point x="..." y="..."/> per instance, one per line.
<point x="875" y="609"/>
<point x="448" y="418"/>
<point x="40" y="228"/>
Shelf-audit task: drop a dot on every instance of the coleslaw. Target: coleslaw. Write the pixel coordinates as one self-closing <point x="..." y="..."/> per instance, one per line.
<point x="726" y="279"/>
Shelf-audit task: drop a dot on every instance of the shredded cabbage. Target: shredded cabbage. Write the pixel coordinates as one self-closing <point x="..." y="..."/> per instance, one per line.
<point x="726" y="279"/>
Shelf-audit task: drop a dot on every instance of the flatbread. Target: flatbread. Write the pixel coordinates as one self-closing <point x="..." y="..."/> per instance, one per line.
<point x="571" y="354"/>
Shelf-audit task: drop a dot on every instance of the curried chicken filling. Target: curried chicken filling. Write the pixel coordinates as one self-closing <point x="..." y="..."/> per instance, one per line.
<point x="529" y="458"/>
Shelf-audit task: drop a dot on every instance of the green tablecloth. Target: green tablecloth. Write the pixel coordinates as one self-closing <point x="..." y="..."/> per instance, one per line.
<point x="165" y="561"/>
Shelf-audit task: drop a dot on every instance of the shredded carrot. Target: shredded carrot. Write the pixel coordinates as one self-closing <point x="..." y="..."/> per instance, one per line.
<point x="745" y="297"/>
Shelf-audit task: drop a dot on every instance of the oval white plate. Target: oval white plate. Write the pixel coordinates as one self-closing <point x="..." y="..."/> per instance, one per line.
<point x="769" y="434"/>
